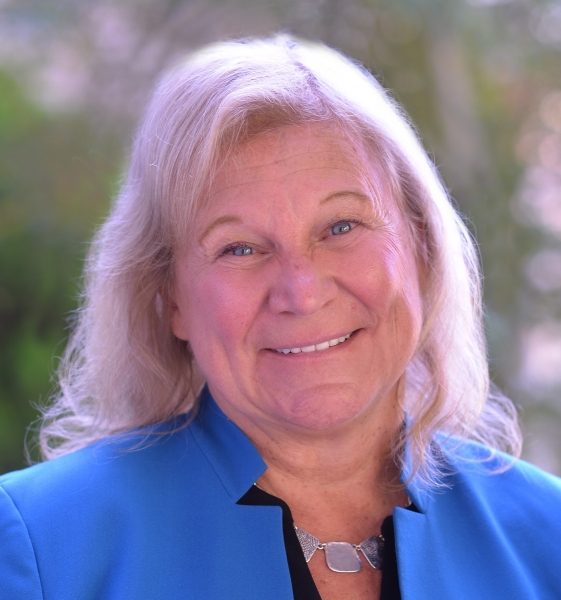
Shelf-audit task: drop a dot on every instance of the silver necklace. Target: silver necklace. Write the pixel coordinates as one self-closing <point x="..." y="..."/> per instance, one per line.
<point x="343" y="557"/>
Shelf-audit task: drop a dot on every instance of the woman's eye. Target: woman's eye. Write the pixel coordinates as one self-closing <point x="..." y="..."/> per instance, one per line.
<point x="342" y="227"/>
<point x="238" y="250"/>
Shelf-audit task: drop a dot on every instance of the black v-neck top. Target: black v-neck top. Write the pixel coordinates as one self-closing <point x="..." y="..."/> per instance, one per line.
<point x="303" y="585"/>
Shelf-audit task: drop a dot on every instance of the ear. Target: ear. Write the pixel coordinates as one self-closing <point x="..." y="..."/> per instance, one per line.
<point x="178" y="316"/>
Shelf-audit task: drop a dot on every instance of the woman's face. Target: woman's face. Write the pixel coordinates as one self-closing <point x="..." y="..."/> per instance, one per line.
<point x="297" y="290"/>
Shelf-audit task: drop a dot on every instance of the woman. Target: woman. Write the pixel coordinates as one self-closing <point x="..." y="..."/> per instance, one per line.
<point x="282" y="240"/>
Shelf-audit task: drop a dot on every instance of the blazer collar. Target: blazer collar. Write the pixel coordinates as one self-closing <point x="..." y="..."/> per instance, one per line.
<point x="232" y="455"/>
<point x="238" y="464"/>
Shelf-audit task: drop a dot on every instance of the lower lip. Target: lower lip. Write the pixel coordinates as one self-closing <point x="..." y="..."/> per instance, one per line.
<point x="317" y="353"/>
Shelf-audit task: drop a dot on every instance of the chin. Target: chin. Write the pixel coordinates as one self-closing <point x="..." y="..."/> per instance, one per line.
<point x="325" y="408"/>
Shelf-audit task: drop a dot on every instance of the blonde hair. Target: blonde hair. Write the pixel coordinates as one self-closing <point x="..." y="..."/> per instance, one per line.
<point x="124" y="368"/>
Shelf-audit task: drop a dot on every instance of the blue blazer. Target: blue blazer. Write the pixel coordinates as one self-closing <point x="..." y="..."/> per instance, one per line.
<point x="115" y="522"/>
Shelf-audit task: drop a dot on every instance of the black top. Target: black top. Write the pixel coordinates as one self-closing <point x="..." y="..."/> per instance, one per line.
<point x="303" y="585"/>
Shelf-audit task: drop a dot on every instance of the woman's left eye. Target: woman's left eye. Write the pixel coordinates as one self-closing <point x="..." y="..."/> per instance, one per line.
<point x="238" y="250"/>
<point x="342" y="227"/>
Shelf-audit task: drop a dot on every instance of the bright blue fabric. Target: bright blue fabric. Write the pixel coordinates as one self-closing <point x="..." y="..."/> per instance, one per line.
<point x="113" y="521"/>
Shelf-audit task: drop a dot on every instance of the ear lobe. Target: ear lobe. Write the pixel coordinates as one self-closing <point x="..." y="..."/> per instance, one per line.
<point x="178" y="320"/>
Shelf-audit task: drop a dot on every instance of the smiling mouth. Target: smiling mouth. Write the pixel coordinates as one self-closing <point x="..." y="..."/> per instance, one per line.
<point x="315" y="347"/>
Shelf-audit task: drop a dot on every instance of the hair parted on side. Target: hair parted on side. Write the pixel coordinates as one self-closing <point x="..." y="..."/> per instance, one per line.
<point x="123" y="368"/>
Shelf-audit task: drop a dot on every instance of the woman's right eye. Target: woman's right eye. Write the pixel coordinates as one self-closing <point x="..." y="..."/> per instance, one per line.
<point x="238" y="250"/>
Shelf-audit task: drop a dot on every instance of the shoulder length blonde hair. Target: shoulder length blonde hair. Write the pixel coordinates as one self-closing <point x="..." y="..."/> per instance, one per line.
<point x="123" y="367"/>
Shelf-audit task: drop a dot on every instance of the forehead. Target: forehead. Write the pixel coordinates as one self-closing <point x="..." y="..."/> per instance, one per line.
<point x="293" y="142"/>
<point x="297" y="152"/>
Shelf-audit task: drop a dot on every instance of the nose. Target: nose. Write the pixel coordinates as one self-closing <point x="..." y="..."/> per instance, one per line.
<point x="301" y="286"/>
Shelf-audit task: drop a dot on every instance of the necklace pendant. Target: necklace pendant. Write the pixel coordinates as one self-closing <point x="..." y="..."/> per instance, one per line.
<point x="308" y="542"/>
<point x="373" y="550"/>
<point x="342" y="557"/>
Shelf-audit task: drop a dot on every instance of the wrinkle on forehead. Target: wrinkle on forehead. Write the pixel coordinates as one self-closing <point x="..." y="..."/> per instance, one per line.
<point x="278" y="147"/>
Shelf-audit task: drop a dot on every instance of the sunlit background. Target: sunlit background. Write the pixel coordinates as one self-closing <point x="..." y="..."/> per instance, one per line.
<point x="481" y="79"/>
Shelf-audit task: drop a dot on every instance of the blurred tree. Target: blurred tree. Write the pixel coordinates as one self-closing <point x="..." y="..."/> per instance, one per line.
<point x="49" y="201"/>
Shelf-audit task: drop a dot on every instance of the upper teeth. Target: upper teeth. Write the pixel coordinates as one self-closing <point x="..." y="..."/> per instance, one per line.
<point x="316" y="347"/>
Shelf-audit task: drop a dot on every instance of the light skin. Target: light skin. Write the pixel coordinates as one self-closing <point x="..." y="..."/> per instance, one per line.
<point x="299" y="245"/>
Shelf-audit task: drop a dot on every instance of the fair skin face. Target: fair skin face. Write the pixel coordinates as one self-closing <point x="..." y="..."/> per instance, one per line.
<point x="293" y="252"/>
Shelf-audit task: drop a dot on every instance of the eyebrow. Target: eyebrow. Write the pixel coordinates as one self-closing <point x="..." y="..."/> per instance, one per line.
<point x="360" y="195"/>
<point x="224" y="220"/>
<point x="235" y="220"/>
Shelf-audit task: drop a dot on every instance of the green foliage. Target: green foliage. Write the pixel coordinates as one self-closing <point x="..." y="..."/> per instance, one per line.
<point x="50" y="197"/>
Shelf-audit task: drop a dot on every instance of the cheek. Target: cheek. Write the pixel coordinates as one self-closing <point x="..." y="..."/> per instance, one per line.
<point x="222" y="306"/>
<point x="405" y="305"/>
<point x="378" y="283"/>
<point x="389" y="287"/>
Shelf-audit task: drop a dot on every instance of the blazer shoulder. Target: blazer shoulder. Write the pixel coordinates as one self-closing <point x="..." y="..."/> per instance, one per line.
<point x="493" y="526"/>
<point x="512" y="491"/>
<point x="19" y="572"/>
<point x="113" y="466"/>
<point x="489" y="469"/>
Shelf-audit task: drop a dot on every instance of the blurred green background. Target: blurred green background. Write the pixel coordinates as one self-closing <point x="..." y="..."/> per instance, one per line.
<point x="480" y="78"/>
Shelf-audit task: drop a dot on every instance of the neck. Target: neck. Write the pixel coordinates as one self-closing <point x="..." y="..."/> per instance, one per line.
<point x="332" y="460"/>
<point x="342" y="482"/>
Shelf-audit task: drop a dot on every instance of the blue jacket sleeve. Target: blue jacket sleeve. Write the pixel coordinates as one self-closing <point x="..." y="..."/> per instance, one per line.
<point x="19" y="575"/>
